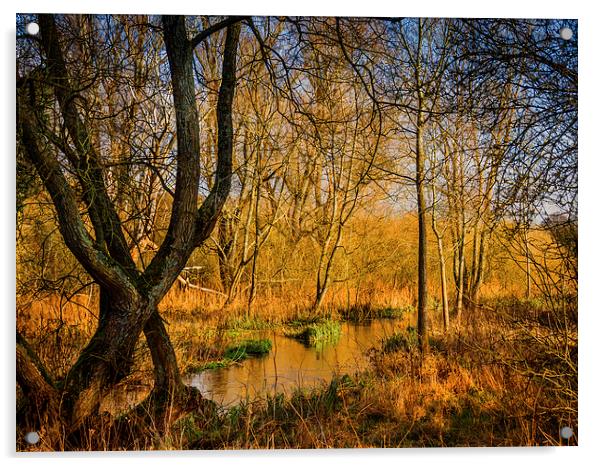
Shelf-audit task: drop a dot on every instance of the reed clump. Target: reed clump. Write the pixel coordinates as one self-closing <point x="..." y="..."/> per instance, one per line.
<point x="247" y="348"/>
<point x="316" y="333"/>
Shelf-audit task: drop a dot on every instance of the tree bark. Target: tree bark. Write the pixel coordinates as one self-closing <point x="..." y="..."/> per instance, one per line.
<point x="460" y="276"/>
<point x="444" y="301"/>
<point x="128" y="298"/>
<point x="165" y="364"/>
<point x="478" y="273"/>
<point x="422" y="244"/>
<point x="40" y="410"/>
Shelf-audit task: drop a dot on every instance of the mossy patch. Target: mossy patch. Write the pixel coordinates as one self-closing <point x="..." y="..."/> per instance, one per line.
<point x="408" y="341"/>
<point x="246" y="323"/>
<point x="196" y="368"/>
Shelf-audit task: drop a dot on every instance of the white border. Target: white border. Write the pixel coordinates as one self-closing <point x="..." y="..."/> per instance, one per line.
<point x="590" y="172"/>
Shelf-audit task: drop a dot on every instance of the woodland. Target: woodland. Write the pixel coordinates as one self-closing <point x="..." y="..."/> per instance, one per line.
<point x="188" y="185"/>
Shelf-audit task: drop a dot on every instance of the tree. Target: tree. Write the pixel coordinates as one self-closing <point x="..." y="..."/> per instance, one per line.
<point x="418" y="52"/>
<point x="525" y="76"/>
<point x="74" y="172"/>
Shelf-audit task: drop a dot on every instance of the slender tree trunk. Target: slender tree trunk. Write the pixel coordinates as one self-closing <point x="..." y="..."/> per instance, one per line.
<point x="444" y="300"/>
<point x="471" y="284"/>
<point x="321" y="281"/>
<point x="461" y="271"/>
<point x="422" y="244"/>
<point x="478" y="280"/>
<point x="323" y="285"/>
<point x="528" y="266"/>
<point x="442" y="272"/>
<point x="257" y="185"/>
<point x="224" y="254"/>
<point x="326" y="255"/>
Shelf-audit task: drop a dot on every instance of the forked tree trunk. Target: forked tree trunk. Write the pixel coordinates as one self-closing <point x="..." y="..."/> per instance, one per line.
<point x="128" y="298"/>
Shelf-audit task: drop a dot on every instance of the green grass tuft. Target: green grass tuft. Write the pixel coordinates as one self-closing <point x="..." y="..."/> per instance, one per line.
<point x="196" y="368"/>
<point x="317" y="333"/>
<point x="408" y="341"/>
<point x="405" y="341"/>
<point x="248" y="348"/>
<point x="359" y="313"/>
<point x="245" y="323"/>
<point x="235" y="353"/>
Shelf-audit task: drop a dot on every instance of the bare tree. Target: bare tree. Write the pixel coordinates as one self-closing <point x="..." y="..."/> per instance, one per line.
<point x="129" y="296"/>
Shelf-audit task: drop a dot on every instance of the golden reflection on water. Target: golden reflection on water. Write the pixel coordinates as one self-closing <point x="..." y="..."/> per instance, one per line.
<point x="291" y="365"/>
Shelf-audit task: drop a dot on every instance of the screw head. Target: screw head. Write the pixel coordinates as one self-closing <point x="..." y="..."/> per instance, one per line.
<point x="32" y="28"/>
<point x="566" y="432"/>
<point x="566" y="33"/>
<point x="32" y="438"/>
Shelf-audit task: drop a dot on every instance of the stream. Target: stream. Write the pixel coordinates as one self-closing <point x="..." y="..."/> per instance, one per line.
<point x="290" y="364"/>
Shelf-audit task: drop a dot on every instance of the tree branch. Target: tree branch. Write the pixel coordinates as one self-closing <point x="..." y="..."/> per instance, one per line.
<point x="212" y="206"/>
<point x="107" y="225"/>
<point x="178" y="244"/>
<point x="201" y="36"/>
<point x="96" y="262"/>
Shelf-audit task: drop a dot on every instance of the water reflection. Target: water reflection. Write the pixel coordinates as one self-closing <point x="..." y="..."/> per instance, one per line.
<point x="290" y="364"/>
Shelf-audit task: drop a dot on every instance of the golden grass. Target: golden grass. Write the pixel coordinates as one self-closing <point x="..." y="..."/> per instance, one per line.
<point x="499" y="377"/>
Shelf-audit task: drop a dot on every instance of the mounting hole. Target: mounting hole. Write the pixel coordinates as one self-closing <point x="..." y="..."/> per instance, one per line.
<point x="566" y="33"/>
<point x="566" y="432"/>
<point x="32" y="438"/>
<point x="32" y="28"/>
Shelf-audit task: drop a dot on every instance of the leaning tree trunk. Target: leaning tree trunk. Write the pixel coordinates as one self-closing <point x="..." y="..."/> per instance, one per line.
<point x="39" y="410"/>
<point x="105" y="360"/>
<point x="225" y="241"/>
<point x="167" y="378"/>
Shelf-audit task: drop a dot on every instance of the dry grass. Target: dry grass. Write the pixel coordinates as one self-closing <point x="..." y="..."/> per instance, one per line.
<point x="504" y="375"/>
<point x="468" y="392"/>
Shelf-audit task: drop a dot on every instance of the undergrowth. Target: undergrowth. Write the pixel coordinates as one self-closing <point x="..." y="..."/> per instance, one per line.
<point x="504" y="375"/>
